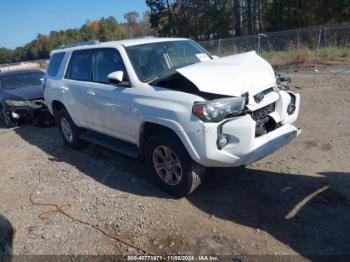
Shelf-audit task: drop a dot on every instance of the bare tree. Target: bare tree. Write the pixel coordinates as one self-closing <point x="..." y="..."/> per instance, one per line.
<point x="131" y="18"/>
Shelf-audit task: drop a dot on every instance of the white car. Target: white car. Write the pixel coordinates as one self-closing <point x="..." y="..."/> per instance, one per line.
<point x="170" y="103"/>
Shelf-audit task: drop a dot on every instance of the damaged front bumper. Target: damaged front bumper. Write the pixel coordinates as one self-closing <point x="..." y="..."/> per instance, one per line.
<point x="271" y="142"/>
<point x="36" y="112"/>
<point x="244" y="145"/>
<point x="23" y="113"/>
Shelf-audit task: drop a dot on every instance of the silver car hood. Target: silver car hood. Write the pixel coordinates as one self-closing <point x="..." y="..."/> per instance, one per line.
<point x="232" y="75"/>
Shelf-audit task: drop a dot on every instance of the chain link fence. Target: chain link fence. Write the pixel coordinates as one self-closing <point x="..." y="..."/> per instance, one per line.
<point x="308" y="40"/>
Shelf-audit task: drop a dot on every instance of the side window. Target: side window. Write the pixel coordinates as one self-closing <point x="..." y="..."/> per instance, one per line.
<point x="80" y="65"/>
<point x="54" y="65"/>
<point x="106" y="61"/>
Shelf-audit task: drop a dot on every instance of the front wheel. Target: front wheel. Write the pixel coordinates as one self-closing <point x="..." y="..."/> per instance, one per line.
<point x="6" y="117"/>
<point x="171" y="167"/>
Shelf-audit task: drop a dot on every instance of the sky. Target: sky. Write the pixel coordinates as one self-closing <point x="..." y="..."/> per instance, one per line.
<point x="22" y="20"/>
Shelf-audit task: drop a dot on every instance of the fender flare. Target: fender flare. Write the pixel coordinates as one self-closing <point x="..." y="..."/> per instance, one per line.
<point x="176" y="128"/>
<point x="66" y="108"/>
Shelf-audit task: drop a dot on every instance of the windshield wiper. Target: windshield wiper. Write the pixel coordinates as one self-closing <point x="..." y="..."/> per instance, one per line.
<point x="150" y="79"/>
<point x="160" y="77"/>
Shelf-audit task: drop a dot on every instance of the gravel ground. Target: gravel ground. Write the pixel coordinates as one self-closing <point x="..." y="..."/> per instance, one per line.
<point x="295" y="201"/>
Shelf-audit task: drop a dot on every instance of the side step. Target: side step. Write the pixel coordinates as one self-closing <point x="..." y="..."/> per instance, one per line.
<point x="110" y="143"/>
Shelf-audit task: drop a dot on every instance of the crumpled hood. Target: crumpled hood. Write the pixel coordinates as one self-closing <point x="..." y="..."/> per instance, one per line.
<point x="232" y="75"/>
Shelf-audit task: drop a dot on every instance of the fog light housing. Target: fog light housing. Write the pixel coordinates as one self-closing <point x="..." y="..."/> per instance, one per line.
<point x="15" y="115"/>
<point x="291" y="107"/>
<point x="222" y="141"/>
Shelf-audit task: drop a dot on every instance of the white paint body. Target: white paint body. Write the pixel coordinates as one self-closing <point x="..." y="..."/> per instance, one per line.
<point x="122" y="112"/>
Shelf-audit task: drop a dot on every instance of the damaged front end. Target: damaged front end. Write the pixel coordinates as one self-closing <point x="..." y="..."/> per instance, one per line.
<point x="281" y="108"/>
<point x="260" y="129"/>
<point x="267" y="108"/>
<point x="33" y="110"/>
<point x="246" y="110"/>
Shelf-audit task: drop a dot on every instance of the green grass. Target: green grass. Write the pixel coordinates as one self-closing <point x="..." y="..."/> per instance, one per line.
<point x="306" y="56"/>
<point x="334" y="52"/>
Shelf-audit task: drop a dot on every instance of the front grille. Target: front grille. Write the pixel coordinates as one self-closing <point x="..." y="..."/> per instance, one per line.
<point x="261" y="114"/>
<point x="260" y="96"/>
<point x="264" y="123"/>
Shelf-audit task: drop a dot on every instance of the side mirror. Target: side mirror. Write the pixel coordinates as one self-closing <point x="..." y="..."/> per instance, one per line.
<point x="115" y="77"/>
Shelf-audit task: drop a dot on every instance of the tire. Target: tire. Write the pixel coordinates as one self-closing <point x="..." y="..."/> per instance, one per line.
<point x="191" y="172"/>
<point x="64" y="121"/>
<point x="6" y="118"/>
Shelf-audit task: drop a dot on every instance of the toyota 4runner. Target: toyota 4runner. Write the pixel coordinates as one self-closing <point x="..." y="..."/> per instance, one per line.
<point x="170" y="103"/>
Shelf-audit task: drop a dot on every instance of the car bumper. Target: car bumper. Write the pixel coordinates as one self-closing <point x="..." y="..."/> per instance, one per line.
<point x="20" y="113"/>
<point x="271" y="142"/>
<point x="244" y="146"/>
<point x="27" y="112"/>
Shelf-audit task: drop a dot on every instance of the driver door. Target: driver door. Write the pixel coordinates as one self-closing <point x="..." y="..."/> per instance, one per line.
<point x="109" y="104"/>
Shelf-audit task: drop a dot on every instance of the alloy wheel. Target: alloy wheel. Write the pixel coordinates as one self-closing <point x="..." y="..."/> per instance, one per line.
<point x="67" y="130"/>
<point x="167" y="165"/>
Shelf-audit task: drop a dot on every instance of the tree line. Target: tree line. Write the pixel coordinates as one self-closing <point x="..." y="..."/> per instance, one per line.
<point x="214" y="19"/>
<point x="105" y="29"/>
<point x="196" y="19"/>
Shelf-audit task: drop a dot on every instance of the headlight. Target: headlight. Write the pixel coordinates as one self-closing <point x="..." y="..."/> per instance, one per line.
<point x="17" y="103"/>
<point x="217" y="110"/>
<point x="283" y="82"/>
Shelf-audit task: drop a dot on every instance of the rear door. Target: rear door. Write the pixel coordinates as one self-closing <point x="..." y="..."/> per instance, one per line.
<point x="78" y="81"/>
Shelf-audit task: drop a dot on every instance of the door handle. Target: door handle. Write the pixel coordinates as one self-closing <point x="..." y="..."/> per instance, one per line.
<point x="90" y="92"/>
<point x="64" y="89"/>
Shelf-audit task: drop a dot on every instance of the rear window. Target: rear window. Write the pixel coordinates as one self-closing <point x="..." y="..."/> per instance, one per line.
<point x="54" y="65"/>
<point x="80" y="66"/>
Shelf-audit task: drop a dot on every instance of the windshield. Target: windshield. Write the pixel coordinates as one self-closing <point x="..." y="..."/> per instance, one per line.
<point x="151" y="61"/>
<point x="21" y="80"/>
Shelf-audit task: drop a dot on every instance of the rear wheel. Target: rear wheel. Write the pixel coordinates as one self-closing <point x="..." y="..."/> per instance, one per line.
<point x="6" y="117"/>
<point x="69" y="131"/>
<point x="171" y="167"/>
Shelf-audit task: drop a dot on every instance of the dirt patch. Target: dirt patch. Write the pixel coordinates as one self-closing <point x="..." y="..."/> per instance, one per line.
<point x="235" y="211"/>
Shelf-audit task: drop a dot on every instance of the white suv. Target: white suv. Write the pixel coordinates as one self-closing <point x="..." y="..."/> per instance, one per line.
<point x="170" y="103"/>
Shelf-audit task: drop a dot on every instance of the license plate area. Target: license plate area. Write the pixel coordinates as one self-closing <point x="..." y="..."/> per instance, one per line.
<point x="264" y="123"/>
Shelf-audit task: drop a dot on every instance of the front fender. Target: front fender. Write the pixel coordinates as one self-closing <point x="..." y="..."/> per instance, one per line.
<point x="177" y="128"/>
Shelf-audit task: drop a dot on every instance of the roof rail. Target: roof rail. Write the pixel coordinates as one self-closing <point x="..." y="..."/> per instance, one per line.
<point x="90" y="42"/>
<point x="144" y="37"/>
